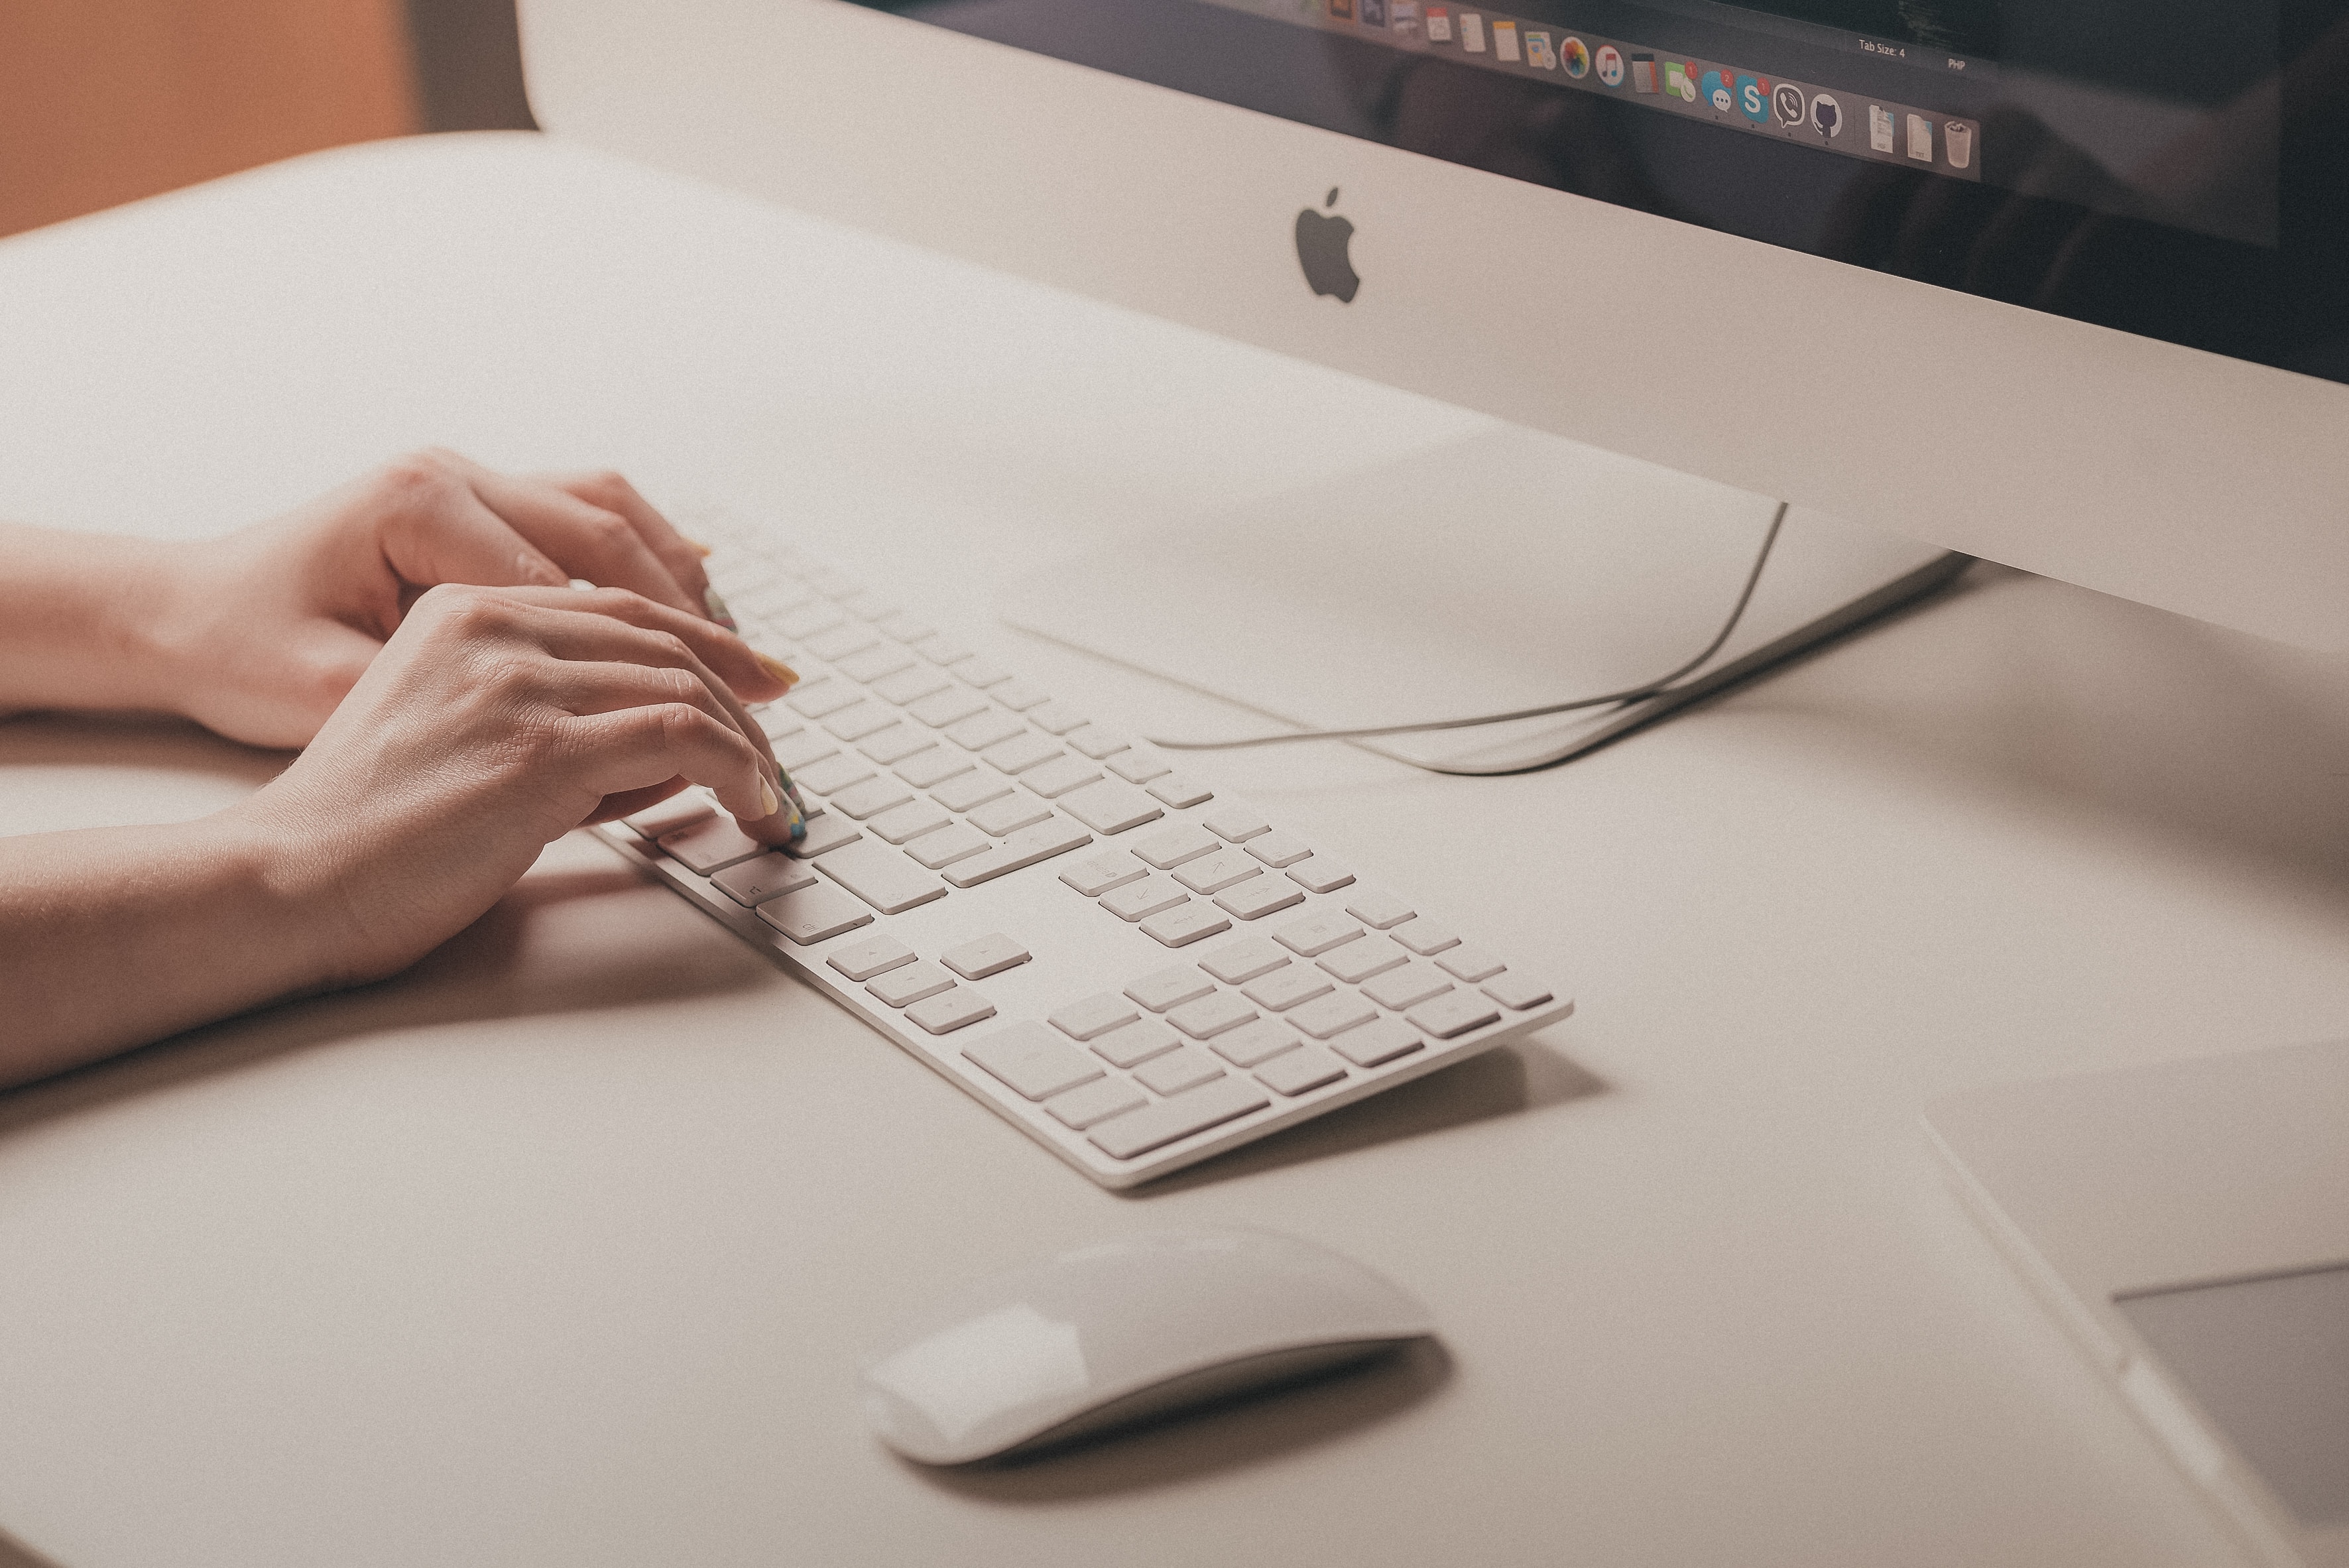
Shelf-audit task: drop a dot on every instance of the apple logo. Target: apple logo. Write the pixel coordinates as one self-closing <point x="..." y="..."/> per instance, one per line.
<point x="1322" y="241"/>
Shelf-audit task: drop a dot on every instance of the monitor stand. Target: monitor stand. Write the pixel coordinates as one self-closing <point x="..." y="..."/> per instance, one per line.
<point x="1502" y="570"/>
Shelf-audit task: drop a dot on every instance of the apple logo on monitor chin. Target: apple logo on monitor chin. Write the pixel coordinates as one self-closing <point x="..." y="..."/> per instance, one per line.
<point x="1322" y="241"/>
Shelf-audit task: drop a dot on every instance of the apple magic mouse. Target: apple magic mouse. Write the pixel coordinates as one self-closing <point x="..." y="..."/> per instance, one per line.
<point x="1122" y="1331"/>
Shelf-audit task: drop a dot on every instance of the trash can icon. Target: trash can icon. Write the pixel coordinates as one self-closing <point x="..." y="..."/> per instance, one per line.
<point x="1958" y="143"/>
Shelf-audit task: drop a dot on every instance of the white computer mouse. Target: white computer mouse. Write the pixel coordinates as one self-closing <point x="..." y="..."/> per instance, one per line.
<point x="1121" y="1332"/>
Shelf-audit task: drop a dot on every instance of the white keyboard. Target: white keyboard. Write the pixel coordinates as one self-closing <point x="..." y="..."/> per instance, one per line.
<point x="1136" y="970"/>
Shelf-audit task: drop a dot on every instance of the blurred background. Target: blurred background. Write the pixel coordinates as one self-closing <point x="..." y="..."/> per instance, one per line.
<point x="104" y="101"/>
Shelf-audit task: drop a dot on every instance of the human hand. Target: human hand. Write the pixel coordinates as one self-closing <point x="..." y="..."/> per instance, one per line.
<point x="263" y="631"/>
<point x="492" y="722"/>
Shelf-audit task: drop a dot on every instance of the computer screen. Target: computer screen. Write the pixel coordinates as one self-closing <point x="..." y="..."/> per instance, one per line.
<point x="2170" y="167"/>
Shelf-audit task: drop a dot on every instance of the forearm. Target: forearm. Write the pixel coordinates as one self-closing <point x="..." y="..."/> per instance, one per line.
<point x="81" y="620"/>
<point x="115" y="937"/>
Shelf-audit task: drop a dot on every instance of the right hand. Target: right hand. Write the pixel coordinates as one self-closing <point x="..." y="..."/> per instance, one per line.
<point x="495" y="721"/>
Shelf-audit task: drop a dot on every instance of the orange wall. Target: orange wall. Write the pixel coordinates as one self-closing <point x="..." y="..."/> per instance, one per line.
<point x="102" y="101"/>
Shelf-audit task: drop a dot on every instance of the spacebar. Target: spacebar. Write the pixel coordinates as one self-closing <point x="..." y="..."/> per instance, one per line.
<point x="1024" y="848"/>
<point x="1194" y="1111"/>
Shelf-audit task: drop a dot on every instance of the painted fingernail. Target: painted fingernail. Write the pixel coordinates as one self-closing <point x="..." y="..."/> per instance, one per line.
<point x="768" y="798"/>
<point x="793" y="791"/>
<point x="699" y="548"/>
<point x="777" y="668"/>
<point x="717" y="608"/>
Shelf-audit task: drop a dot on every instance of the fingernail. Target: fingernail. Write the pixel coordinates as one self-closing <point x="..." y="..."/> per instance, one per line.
<point x="777" y="668"/>
<point x="699" y="548"/>
<point x="717" y="608"/>
<point x="768" y="797"/>
<point x="533" y="570"/>
<point x="793" y="791"/>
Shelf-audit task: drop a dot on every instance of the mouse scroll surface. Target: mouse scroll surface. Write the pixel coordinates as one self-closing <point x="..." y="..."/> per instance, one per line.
<point x="1107" y="1335"/>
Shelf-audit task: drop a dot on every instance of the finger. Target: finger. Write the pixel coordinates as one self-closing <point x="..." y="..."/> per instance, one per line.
<point x="438" y="531"/>
<point x="751" y="674"/>
<point x="681" y="556"/>
<point x="586" y="540"/>
<point x="637" y="748"/>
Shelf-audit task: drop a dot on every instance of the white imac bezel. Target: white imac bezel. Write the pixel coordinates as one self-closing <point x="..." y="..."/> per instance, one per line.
<point x="2181" y="479"/>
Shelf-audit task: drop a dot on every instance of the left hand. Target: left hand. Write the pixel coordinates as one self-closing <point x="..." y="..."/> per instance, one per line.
<point x="265" y="630"/>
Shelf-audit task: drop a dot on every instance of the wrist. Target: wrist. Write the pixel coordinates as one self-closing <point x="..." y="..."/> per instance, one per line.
<point x="287" y="893"/>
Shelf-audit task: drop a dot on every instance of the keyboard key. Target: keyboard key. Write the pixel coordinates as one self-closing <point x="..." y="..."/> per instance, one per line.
<point x="1164" y="988"/>
<point x="907" y="984"/>
<point x="1255" y="1042"/>
<point x="832" y="773"/>
<point x="985" y="955"/>
<point x="1097" y="874"/>
<point x="1033" y="1061"/>
<point x="1136" y="1042"/>
<point x="1407" y="986"/>
<point x="976" y="787"/>
<point x="1454" y="1013"/>
<point x="1022" y="751"/>
<point x="979" y="672"/>
<point x="875" y="662"/>
<point x="1139" y="765"/>
<point x="1424" y="936"/>
<point x="1378" y="909"/>
<point x="911" y="686"/>
<point x="1192" y="923"/>
<point x="1018" y="696"/>
<point x="881" y="876"/>
<point x="1024" y="848"/>
<point x="711" y="845"/>
<point x="941" y="649"/>
<point x="1470" y="963"/>
<point x="1381" y="1041"/>
<point x="1180" y="792"/>
<point x="950" y="1010"/>
<point x="814" y="914"/>
<point x="1299" y="1071"/>
<point x="1259" y="896"/>
<point x="681" y="811"/>
<point x="1081" y="1108"/>
<point x="1172" y="846"/>
<point x="1516" y="993"/>
<point x="1211" y="1015"/>
<point x="818" y="699"/>
<point x="871" y="606"/>
<point x="1137" y="901"/>
<point x="1330" y="1015"/>
<point x="824" y="834"/>
<point x="1320" y="874"/>
<point x="1213" y="873"/>
<point x="1234" y="822"/>
<point x="1178" y="1070"/>
<point x="907" y="628"/>
<point x="1285" y="988"/>
<point x="833" y="585"/>
<point x="1315" y="933"/>
<point x="951" y="706"/>
<point x="1278" y="850"/>
<point x="1055" y="718"/>
<point x="1057" y="776"/>
<point x="807" y="747"/>
<point x="805" y="622"/>
<point x="1094" y="1017"/>
<point x="1238" y="962"/>
<point x="1009" y="814"/>
<point x="910" y="821"/>
<point x="776" y="721"/>
<point x="1163" y="1122"/>
<point x="865" y="718"/>
<point x="753" y="881"/>
<point x="841" y="641"/>
<point x="875" y="956"/>
<point x="897" y="743"/>
<point x="871" y="798"/>
<point x="981" y="730"/>
<point x="1356" y="961"/>
<point x="1097" y="742"/>
<point x="1107" y="806"/>
<point x="949" y="845"/>
<point x="927" y="769"/>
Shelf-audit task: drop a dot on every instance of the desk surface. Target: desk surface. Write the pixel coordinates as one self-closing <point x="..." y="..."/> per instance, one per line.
<point x="563" y="1248"/>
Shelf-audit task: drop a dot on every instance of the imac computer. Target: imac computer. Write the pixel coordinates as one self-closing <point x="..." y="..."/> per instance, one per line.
<point x="2063" y="283"/>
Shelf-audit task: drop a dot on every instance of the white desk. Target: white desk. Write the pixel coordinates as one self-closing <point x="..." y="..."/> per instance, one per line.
<point x="562" y="1249"/>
